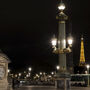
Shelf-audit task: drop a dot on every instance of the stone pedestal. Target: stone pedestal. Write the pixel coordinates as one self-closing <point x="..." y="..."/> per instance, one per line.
<point x="63" y="82"/>
<point x="3" y="85"/>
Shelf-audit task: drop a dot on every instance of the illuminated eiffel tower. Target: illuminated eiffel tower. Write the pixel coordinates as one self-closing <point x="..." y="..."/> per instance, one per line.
<point x="82" y="55"/>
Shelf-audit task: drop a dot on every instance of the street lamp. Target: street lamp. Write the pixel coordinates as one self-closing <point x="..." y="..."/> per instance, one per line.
<point x="40" y="73"/>
<point x="59" y="47"/>
<point x="70" y="41"/>
<point x="88" y="66"/>
<point x="52" y="73"/>
<point x="19" y="74"/>
<point x="54" y="42"/>
<point x="57" y="67"/>
<point x="30" y="69"/>
<point x="8" y="70"/>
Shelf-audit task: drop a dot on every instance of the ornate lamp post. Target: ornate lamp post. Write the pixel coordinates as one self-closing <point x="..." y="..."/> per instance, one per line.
<point x="62" y="77"/>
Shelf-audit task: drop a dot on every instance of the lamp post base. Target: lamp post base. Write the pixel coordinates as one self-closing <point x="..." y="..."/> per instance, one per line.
<point x="63" y="82"/>
<point x="3" y="85"/>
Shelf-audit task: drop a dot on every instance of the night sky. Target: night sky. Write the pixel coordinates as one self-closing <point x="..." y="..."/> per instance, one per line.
<point x="26" y="28"/>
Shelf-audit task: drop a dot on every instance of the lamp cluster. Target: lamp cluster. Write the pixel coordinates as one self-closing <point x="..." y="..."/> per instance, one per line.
<point x="62" y="17"/>
<point x="58" y="50"/>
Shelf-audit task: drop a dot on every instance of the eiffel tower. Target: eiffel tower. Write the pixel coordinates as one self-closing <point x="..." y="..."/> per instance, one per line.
<point x="80" y="69"/>
<point x="82" y="55"/>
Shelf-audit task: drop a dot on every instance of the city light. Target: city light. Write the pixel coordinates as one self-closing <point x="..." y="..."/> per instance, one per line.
<point x="27" y="75"/>
<point x="29" y="68"/>
<point x="19" y="74"/>
<point x="24" y="71"/>
<point x="88" y="66"/>
<point x="40" y="73"/>
<point x="44" y="73"/>
<point x="37" y="75"/>
<point x="16" y="75"/>
<point x="8" y="70"/>
<point x="52" y="73"/>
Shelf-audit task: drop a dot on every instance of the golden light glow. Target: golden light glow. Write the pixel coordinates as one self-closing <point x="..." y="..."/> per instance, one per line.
<point x="64" y="43"/>
<point x="29" y="68"/>
<point x="54" y="42"/>
<point x="19" y="74"/>
<point x="40" y="73"/>
<point x="70" y="41"/>
<point x="88" y="66"/>
<point x="8" y="70"/>
<point x="27" y="75"/>
<point x="57" y="67"/>
<point x="52" y="73"/>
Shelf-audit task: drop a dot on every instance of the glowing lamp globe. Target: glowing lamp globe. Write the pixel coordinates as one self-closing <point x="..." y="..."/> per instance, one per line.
<point x="40" y="73"/>
<point x="70" y="41"/>
<point x="87" y="66"/>
<point x="61" y="6"/>
<point x="29" y="68"/>
<point x="54" y="42"/>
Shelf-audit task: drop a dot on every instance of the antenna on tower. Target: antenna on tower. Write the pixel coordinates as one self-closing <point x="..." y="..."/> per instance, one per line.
<point x="82" y="37"/>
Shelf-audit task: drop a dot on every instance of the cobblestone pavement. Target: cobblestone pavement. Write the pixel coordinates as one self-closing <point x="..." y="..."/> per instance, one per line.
<point x="49" y="88"/>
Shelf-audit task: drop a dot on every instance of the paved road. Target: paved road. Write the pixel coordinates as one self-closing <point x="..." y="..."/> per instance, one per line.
<point x="49" y="88"/>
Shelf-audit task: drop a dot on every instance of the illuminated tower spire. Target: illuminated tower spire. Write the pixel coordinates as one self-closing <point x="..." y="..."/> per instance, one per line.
<point x="82" y="56"/>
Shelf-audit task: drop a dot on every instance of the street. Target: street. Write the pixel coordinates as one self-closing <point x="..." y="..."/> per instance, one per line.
<point x="49" y="88"/>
